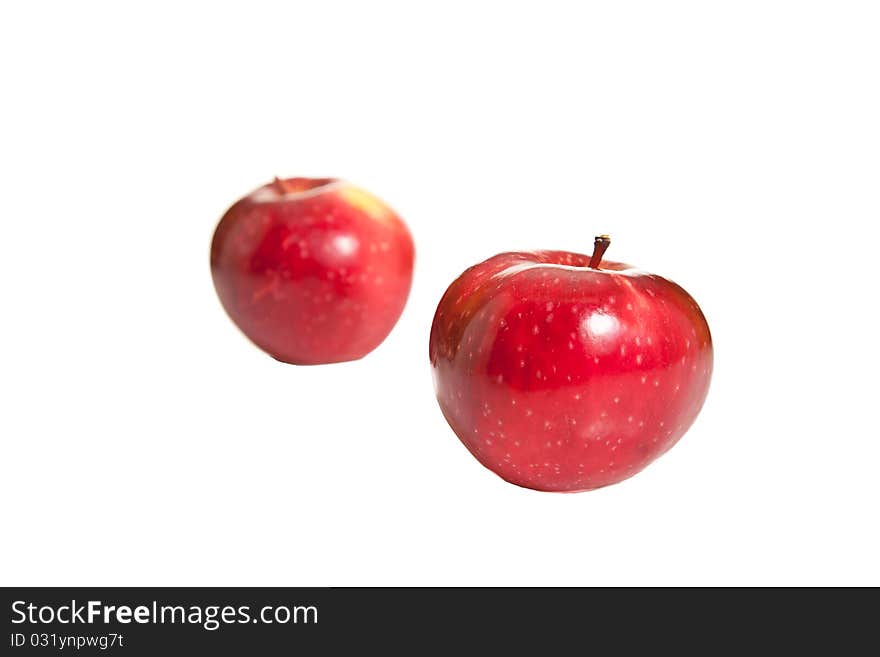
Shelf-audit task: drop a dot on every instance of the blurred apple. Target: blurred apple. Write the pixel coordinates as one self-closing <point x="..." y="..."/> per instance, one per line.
<point x="312" y="270"/>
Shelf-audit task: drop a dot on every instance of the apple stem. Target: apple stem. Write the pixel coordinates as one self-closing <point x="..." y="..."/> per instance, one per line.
<point x="600" y="246"/>
<point x="279" y="185"/>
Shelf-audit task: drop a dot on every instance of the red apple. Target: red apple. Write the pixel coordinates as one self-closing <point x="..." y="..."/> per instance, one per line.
<point x="312" y="270"/>
<point x="564" y="372"/>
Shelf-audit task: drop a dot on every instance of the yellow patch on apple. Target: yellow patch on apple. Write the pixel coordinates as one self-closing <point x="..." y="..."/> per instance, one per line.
<point x="365" y="201"/>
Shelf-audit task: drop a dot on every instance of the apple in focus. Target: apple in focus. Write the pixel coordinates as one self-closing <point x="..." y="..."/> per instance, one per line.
<point x="565" y="372"/>
<point x="312" y="270"/>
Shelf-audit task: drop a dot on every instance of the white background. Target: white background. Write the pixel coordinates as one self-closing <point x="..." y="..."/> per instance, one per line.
<point x="733" y="147"/>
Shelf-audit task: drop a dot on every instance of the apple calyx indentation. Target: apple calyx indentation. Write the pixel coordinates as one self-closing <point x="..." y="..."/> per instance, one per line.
<point x="293" y="186"/>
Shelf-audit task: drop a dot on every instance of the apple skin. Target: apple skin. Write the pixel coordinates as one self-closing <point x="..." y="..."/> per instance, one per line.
<point x="312" y="270"/>
<point x="561" y="377"/>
